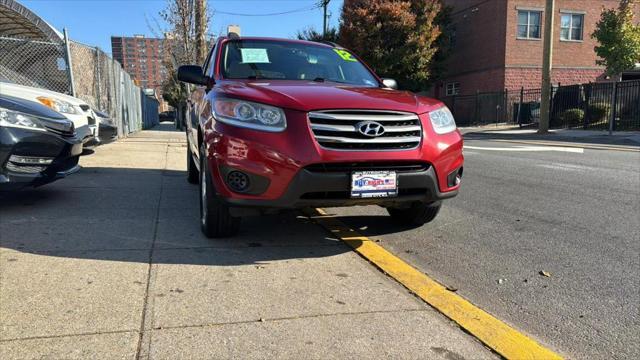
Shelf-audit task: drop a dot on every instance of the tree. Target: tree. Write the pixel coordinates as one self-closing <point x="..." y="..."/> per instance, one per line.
<point x="183" y="44"/>
<point x="398" y="38"/>
<point x="312" y="35"/>
<point x="619" y="38"/>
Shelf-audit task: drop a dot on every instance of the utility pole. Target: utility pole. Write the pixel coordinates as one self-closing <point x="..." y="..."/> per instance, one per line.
<point x="324" y="3"/>
<point x="201" y="30"/>
<point x="547" y="63"/>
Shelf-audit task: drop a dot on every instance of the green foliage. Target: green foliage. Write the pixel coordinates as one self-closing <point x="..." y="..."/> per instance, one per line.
<point x="619" y="38"/>
<point x="599" y="111"/>
<point x="572" y="117"/>
<point x="312" y="35"/>
<point x="398" y="38"/>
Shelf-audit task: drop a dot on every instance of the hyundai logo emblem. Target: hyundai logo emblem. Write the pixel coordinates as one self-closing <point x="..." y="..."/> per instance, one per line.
<point x="370" y="128"/>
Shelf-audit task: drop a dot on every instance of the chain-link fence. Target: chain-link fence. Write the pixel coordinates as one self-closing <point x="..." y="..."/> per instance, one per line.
<point x="101" y="82"/>
<point x="94" y="78"/>
<point x="34" y="63"/>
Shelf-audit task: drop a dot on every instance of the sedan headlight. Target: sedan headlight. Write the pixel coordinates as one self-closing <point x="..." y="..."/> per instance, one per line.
<point x="442" y="120"/>
<point x="14" y="119"/>
<point x="58" y="105"/>
<point x="250" y="115"/>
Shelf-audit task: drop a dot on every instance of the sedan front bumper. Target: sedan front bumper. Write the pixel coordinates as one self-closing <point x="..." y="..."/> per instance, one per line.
<point x="58" y="156"/>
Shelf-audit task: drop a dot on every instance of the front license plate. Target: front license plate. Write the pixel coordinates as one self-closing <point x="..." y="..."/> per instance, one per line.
<point x="372" y="184"/>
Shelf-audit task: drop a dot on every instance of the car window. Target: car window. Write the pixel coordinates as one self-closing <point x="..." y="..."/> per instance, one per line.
<point x="266" y="59"/>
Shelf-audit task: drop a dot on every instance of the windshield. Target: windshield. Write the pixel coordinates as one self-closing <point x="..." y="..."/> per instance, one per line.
<point x="264" y="59"/>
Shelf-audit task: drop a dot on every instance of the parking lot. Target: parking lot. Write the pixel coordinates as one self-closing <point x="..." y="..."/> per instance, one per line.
<point x="111" y="263"/>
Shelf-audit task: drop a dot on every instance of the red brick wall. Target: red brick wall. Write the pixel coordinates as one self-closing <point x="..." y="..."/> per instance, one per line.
<point x="530" y="78"/>
<point x="480" y="32"/>
<point x="489" y="57"/>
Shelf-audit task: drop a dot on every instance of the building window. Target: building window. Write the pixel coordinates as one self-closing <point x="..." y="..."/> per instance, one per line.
<point x="453" y="88"/>
<point x="529" y="24"/>
<point x="571" y="26"/>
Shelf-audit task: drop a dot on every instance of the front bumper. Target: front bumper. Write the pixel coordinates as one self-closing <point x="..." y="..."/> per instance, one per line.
<point x="311" y="188"/>
<point x="63" y="151"/>
<point x="285" y="165"/>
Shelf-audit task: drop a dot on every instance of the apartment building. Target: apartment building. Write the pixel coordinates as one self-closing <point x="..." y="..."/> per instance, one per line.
<point x="141" y="57"/>
<point x="497" y="44"/>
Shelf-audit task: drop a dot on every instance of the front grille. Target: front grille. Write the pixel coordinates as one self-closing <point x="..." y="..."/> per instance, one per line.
<point x="91" y="120"/>
<point x="25" y="169"/>
<point x="348" y="167"/>
<point x="337" y="130"/>
<point x="71" y="133"/>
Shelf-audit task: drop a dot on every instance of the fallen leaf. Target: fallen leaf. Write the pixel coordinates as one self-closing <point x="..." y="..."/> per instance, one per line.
<point x="545" y="273"/>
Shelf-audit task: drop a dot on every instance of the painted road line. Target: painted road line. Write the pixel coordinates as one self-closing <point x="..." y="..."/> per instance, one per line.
<point x="629" y="148"/>
<point x="494" y="333"/>
<point x="528" y="148"/>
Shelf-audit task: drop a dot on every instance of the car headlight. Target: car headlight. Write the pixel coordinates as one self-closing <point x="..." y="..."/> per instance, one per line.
<point x="250" y="115"/>
<point x="442" y="120"/>
<point x="14" y="119"/>
<point x="58" y="105"/>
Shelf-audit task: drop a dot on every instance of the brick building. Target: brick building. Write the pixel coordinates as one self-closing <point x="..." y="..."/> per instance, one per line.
<point x="497" y="44"/>
<point x="142" y="58"/>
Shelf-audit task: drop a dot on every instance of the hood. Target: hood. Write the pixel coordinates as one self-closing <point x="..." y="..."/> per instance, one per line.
<point x="28" y="92"/>
<point x="51" y="119"/>
<point x="29" y="107"/>
<point x="309" y="96"/>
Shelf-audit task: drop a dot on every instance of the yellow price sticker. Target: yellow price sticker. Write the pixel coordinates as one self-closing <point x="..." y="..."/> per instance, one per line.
<point x="345" y="55"/>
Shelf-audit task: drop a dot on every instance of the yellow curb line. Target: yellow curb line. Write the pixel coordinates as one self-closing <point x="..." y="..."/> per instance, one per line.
<point x="576" y="145"/>
<point x="494" y="333"/>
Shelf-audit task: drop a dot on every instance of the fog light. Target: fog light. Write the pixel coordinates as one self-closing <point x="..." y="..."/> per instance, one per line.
<point x="238" y="181"/>
<point x="454" y="178"/>
<point x="30" y="160"/>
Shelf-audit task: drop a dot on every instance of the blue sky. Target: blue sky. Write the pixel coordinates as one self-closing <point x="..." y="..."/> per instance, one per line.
<point x="94" y="21"/>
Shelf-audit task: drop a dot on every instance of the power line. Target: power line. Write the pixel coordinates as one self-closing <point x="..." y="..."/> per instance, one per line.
<point x="269" y="14"/>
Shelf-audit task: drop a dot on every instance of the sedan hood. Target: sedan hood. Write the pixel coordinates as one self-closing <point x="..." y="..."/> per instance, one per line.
<point x="28" y="92"/>
<point x="309" y="96"/>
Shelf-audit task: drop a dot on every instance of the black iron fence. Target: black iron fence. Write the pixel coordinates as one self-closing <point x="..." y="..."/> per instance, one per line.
<point x="596" y="106"/>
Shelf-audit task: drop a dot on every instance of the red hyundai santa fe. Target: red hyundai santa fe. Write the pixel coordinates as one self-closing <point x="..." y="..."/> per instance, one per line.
<point x="283" y="124"/>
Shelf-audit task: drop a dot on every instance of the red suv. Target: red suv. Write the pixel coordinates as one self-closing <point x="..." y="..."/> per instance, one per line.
<point x="282" y="124"/>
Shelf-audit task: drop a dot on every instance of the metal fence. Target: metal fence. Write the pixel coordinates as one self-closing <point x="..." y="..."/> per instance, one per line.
<point x="34" y="63"/>
<point x="611" y="106"/>
<point x="85" y="72"/>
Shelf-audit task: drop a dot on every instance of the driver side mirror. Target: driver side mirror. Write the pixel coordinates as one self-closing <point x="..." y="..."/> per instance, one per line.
<point x="192" y="74"/>
<point x="390" y="83"/>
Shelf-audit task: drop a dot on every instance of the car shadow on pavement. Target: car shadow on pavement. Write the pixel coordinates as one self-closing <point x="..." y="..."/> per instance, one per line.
<point x="134" y="215"/>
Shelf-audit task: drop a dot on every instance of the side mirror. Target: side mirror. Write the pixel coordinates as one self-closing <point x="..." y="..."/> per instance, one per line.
<point x="192" y="74"/>
<point x="390" y="83"/>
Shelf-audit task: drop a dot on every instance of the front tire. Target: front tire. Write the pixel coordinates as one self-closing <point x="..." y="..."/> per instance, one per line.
<point x="416" y="215"/>
<point x="215" y="218"/>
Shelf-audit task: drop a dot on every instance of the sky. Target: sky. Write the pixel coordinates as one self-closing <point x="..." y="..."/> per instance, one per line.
<point x="93" y="22"/>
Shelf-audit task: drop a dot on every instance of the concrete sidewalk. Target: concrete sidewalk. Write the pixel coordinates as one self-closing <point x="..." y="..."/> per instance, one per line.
<point x="110" y="263"/>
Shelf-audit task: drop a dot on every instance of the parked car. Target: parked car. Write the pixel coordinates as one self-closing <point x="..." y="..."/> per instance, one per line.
<point x="37" y="144"/>
<point x="169" y="115"/>
<point x="281" y="124"/>
<point x="74" y="109"/>
<point x="108" y="128"/>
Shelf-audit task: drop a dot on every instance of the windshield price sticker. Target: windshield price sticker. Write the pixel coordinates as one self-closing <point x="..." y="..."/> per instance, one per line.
<point x="254" y="56"/>
<point x="369" y="184"/>
<point x="345" y="55"/>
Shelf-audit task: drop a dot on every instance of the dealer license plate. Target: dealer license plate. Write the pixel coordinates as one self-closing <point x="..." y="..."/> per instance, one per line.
<point x="374" y="184"/>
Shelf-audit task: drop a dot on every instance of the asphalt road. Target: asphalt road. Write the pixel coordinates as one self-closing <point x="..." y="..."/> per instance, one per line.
<point x="524" y="209"/>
